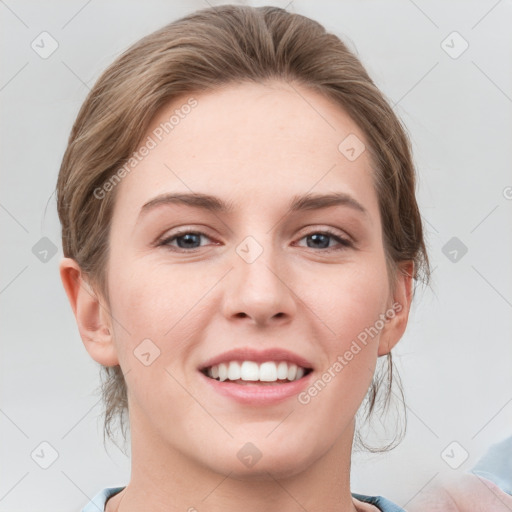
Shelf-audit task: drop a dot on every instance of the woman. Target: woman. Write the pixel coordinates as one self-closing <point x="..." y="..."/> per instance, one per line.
<point x="241" y="236"/>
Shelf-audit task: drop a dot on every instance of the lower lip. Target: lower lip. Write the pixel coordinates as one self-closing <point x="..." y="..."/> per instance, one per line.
<point x="258" y="394"/>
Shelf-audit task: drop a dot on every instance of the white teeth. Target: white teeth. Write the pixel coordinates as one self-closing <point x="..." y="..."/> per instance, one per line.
<point x="234" y="370"/>
<point x="292" y="371"/>
<point x="282" y="370"/>
<point x="223" y="372"/>
<point x="249" y="371"/>
<point x="268" y="371"/>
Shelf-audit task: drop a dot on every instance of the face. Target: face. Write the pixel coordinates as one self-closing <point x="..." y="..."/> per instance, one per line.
<point x="261" y="274"/>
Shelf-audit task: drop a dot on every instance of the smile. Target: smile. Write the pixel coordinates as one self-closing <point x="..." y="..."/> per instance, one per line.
<point x="251" y="371"/>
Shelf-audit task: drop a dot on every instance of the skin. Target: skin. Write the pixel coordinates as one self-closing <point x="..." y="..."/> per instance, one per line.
<point x="462" y="493"/>
<point x="256" y="146"/>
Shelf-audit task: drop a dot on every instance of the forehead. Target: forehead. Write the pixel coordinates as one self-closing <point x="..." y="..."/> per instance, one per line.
<point x="276" y="139"/>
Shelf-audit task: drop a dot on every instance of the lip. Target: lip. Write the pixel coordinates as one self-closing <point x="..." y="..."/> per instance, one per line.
<point x="258" y="356"/>
<point x="257" y="393"/>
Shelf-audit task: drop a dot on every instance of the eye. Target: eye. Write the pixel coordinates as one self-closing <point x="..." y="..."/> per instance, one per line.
<point x="321" y="240"/>
<point x="184" y="240"/>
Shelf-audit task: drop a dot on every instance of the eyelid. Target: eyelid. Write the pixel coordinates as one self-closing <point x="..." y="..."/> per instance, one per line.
<point x="182" y="230"/>
<point x="336" y="232"/>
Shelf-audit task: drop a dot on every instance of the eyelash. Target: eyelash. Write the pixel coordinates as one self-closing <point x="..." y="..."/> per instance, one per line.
<point x="343" y="242"/>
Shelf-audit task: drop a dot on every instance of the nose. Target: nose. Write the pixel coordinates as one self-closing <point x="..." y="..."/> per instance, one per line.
<point x="260" y="291"/>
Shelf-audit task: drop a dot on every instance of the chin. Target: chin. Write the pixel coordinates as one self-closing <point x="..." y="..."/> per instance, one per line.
<point x="262" y="464"/>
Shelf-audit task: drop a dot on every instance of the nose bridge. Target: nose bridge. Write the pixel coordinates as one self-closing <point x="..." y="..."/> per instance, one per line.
<point x="257" y="288"/>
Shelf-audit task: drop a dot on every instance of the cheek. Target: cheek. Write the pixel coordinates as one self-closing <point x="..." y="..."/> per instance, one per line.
<point x="350" y="300"/>
<point x="351" y="354"/>
<point x="351" y="310"/>
<point x="158" y="302"/>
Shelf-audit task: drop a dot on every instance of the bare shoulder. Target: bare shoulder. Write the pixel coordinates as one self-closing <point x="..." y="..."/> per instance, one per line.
<point x="461" y="494"/>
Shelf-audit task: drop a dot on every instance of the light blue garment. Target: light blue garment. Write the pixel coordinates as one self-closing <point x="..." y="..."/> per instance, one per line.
<point x="380" y="502"/>
<point x="496" y="465"/>
<point x="97" y="504"/>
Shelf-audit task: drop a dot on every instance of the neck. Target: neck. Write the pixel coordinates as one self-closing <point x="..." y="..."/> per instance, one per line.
<point x="164" y="479"/>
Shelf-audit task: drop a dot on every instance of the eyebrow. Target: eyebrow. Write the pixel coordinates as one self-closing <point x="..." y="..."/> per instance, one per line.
<point x="217" y="205"/>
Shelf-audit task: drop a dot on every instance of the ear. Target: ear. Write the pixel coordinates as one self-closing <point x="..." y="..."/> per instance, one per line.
<point x="398" y="309"/>
<point x="91" y="313"/>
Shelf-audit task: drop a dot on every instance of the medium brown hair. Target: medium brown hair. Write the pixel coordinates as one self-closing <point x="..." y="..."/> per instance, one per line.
<point x="203" y="51"/>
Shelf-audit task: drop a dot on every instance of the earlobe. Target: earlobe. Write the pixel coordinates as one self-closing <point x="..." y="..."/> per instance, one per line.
<point x="91" y="313"/>
<point x="398" y="309"/>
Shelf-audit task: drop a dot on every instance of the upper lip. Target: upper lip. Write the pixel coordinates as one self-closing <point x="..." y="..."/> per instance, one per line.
<point x="258" y="356"/>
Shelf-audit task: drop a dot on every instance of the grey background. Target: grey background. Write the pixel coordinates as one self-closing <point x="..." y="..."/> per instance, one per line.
<point x="455" y="359"/>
